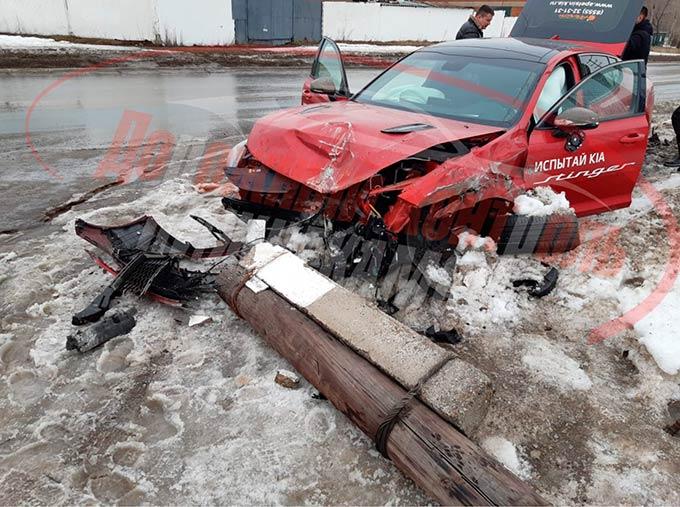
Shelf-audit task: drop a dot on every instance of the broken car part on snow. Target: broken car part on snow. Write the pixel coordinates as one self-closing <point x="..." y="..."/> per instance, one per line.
<point x="397" y="386"/>
<point x="118" y="324"/>
<point x="540" y="289"/>
<point x="146" y="261"/>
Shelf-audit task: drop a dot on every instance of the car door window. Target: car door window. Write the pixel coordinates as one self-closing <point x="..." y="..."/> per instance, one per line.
<point x="590" y="64"/>
<point x="328" y="64"/>
<point x="612" y="92"/>
<point x="554" y="89"/>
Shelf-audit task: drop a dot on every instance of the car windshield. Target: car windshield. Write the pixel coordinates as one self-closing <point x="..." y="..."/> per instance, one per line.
<point x="491" y="91"/>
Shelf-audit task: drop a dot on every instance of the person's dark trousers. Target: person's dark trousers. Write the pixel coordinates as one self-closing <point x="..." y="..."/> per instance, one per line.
<point x="675" y="119"/>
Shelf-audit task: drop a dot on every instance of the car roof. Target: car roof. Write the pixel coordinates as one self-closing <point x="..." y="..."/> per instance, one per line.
<point x="530" y="50"/>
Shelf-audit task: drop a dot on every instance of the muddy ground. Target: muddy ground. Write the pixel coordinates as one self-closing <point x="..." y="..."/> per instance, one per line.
<point x="150" y="57"/>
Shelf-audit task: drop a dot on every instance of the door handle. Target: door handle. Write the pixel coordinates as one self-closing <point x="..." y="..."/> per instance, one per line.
<point x="632" y="138"/>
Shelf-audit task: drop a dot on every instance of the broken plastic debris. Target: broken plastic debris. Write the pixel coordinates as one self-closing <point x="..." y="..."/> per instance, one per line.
<point x="452" y="336"/>
<point x="118" y="324"/>
<point x="136" y="276"/>
<point x="537" y="289"/>
<point x="148" y="260"/>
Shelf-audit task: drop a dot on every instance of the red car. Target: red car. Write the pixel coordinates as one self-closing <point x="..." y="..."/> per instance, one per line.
<point x="446" y="138"/>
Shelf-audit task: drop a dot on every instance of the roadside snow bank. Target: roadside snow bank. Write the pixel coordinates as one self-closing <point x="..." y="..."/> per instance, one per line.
<point x="542" y="201"/>
<point x="346" y="48"/>
<point x="21" y="42"/>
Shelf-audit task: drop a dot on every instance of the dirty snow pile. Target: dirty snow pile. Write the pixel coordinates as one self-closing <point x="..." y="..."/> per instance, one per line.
<point x="346" y="48"/>
<point x="658" y="330"/>
<point x="376" y="48"/>
<point x="664" y="53"/>
<point x="542" y="201"/>
<point x="24" y="42"/>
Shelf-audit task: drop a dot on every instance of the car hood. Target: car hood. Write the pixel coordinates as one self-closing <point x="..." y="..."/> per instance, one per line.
<point x="331" y="147"/>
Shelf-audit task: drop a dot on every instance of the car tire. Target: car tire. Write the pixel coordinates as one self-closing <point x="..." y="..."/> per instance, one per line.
<point x="550" y="234"/>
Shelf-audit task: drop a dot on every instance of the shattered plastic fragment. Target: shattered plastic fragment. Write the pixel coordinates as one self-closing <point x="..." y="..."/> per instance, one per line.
<point x="542" y="289"/>
<point x="120" y="323"/>
<point x="128" y="277"/>
<point x="148" y="258"/>
<point x="452" y="337"/>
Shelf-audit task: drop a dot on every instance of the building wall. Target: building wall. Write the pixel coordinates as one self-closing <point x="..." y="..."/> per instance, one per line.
<point x="110" y="19"/>
<point x="212" y="22"/>
<point x="185" y="23"/>
<point x="511" y="7"/>
<point x="33" y="17"/>
<point x="349" y="21"/>
<point x="162" y="21"/>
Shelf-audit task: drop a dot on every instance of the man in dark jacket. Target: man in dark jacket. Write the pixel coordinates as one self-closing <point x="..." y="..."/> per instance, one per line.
<point x="675" y="119"/>
<point x="473" y="28"/>
<point x="640" y="41"/>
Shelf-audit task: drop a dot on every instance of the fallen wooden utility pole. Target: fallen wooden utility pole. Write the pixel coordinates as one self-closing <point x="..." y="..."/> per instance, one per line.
<point x="426" y="448"/>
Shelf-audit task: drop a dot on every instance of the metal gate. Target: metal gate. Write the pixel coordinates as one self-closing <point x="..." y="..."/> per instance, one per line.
<point x="277" y="21"/>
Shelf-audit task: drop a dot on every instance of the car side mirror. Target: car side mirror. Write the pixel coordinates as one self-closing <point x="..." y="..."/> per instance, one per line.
<point x="323" y="85"/>
<point x="575" y="119"/>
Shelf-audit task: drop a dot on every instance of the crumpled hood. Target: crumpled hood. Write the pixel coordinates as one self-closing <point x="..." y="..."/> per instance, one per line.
<point x="334" y="146"/>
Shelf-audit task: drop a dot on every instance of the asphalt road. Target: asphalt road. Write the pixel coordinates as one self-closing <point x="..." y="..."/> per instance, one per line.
<point x="71" y="122"/>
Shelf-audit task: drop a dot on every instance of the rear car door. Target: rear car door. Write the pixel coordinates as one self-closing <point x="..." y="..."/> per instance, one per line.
<point x="604" y="25"/>
<point x="600" y="174"/>
<point x="328" y="79"/>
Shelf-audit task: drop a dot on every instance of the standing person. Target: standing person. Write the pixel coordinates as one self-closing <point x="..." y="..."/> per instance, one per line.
<point x="675" y="118"/>
<point x="640" y="42"/>
<point x="474" y="27"/>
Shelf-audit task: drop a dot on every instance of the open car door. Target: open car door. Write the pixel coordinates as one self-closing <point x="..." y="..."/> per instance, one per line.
<point x="603" y="25"/>
<point x="592" y="143"/>
<point x="328" y="80"/>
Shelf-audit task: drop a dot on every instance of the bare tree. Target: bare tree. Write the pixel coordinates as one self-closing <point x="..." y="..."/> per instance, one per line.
<point x="664" y="15"/>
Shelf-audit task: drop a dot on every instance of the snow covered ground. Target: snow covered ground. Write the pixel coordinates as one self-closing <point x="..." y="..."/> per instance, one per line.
<point x="175" y="414"/>
<point x="665" y="53"/>
<point x="347" y="48"/>
<point x="17" y="42"/>
<point x="22" y="42"/>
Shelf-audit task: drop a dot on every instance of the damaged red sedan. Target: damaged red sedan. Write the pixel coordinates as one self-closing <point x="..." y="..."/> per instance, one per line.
<point x="445" y="139"/>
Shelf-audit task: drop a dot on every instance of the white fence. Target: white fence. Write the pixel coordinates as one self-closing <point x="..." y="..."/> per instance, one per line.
<point x="210" y="22"/>
<point x="349" y="21"/>
<point x="204" y="22"/>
